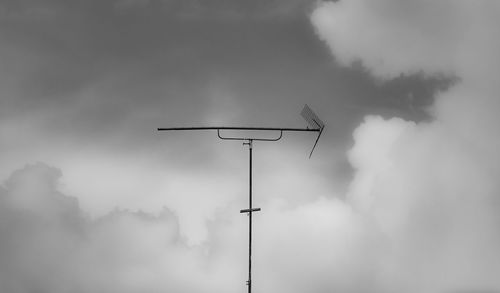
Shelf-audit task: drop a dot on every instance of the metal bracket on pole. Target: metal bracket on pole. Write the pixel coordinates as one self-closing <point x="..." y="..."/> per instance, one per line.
<point x="249" y="210"/>
<point x="246" y="138"/>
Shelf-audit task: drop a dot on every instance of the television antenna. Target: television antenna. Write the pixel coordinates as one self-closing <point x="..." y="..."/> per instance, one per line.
<point x="316" y="125"/>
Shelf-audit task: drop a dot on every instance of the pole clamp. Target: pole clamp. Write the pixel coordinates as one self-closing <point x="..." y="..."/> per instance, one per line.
<point x="250" y="210"/>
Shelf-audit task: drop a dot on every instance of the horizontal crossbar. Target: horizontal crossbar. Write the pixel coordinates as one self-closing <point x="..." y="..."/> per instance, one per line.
<point x="239" y="128"/>
<point x="250" y="210"/>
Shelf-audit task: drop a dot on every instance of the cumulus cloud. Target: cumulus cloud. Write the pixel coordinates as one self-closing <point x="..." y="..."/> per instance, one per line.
<point x="404" y="228"/>
<point x="429" y="187"/>
<point x="436" y="200"/>
<point x="394" y="37"/>
<point x="47" y="244"/>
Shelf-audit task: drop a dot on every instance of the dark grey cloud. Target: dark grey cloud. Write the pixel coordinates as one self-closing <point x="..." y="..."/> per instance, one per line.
<point x="84" y="84"/>
<point x="100" y="64"/>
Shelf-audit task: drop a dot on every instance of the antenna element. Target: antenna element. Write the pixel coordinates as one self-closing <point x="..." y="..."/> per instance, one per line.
<point x="314" y="122"/>
<point x="316" y="126"/>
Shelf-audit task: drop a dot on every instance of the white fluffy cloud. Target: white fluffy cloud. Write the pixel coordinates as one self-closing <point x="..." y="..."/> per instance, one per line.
<point x="431" y="187"/>
<point x="47" y="244"/>
<point x="435" y="198"/>
<point x="393" y="37"/>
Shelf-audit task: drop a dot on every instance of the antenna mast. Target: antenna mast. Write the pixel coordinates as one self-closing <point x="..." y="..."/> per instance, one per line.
<point x="311" y="118"/>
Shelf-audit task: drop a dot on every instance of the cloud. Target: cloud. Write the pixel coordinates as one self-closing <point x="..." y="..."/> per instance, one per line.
<point x="47" y="244"/>
<point x="39" y="227"/>
<point x="394" y="37"/>
<point x="223" y="10"/>
<point x="435" y="198"/>
<point x="404" y="228"/>
<point x="421" y="213"/>
<point x="430" y="187"/>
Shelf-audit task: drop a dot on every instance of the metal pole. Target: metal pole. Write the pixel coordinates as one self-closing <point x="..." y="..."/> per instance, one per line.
<point x="250" y="220"/>
<point x="249" y="212"/>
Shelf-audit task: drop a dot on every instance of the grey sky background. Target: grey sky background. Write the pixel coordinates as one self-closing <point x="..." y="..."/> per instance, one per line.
<point x="87" y="83"/>
<point x="401" y="194"/>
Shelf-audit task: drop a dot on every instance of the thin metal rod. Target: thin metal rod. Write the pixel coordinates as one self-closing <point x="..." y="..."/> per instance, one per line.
<point x="250" y="221"/>
<point x="239" y="128"/>
<point x="250" y="211"/>
<point x="316" y="142"/>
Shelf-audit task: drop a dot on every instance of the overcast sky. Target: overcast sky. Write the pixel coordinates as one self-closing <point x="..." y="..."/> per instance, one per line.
<point x="401" y="194"/>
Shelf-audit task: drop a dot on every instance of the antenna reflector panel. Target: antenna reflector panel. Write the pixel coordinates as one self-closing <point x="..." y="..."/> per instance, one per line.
<point x="311" y="118"/>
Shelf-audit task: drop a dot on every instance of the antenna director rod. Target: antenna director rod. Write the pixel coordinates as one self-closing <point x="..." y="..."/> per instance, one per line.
<point x="240" y="128"/>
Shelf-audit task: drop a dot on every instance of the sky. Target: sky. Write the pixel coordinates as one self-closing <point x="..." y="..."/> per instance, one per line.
<point x="400" y="195"/>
